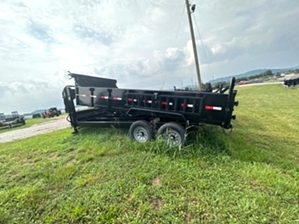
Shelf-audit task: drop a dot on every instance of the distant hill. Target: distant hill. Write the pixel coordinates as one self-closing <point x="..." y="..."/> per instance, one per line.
<point x="38" y="111"/>
<point x="251" y="73"/>
<point x="62" y="109"/>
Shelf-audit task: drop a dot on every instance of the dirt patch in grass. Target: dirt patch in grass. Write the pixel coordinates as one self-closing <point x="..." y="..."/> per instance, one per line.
<point x="70" y="162"/>
<point x="256" y="184"/>
<point x="53" y="156"/>
<point x="156" y="181"/>
<point x="156" y="202"/>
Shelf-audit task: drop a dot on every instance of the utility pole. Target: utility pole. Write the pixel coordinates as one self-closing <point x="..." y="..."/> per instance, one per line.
<point x="193" y="43"/>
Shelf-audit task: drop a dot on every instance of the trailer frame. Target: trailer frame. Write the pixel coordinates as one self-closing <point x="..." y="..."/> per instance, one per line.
<point x="109" y="105"/>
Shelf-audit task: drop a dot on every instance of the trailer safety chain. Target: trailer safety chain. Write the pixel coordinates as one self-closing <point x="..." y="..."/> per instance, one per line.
<point x="226" y="133"/>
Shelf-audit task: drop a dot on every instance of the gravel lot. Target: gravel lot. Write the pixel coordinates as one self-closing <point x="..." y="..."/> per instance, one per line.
<point x="37" y="129"/>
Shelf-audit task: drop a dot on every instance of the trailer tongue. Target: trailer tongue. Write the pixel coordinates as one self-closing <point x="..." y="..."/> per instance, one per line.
<point x="171" y="112"/>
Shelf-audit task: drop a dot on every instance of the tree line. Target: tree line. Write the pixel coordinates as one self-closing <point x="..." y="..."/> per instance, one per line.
<point x="266" y="74"/>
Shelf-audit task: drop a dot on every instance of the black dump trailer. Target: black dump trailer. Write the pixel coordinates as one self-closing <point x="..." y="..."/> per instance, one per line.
<point x="292" y="81"/>
<point x="147" y="112"/>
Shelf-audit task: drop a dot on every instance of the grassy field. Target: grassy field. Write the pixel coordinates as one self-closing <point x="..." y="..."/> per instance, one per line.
<point x="100" y="176"/>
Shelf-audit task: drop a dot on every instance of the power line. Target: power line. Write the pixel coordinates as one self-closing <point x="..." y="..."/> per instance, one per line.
<point x="179" y="26"/>
<point x="175" y="39"/>
<point x="200" y="38"/>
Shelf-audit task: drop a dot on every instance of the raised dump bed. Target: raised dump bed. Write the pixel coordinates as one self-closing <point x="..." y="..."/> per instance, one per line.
<point x="142" y="111"/>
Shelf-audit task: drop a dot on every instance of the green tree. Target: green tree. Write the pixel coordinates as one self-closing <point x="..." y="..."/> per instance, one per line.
<point x="268" y="73"/>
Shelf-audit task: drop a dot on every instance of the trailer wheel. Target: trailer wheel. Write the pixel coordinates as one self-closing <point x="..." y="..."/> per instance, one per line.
<point x="141" y="131"/>
<point x="172" y="133"/>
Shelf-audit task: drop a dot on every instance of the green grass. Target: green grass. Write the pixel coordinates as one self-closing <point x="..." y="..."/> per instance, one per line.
<point x="29" y="123"/>
<point x="100" y="176"/>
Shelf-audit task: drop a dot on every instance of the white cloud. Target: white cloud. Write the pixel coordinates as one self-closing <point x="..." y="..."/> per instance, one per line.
<point x="218" y="48"/>
<point x="142" y="44"/>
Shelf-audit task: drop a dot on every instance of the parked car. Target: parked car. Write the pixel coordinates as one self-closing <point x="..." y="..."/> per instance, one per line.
<point x="52" y="112"/>
<point x="36" y="115"/>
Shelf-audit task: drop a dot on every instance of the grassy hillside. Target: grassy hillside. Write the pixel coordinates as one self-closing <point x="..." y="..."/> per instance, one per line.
<point x="100" y="176"/>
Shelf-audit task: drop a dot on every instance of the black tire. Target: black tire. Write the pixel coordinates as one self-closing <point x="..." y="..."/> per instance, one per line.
<point x="172" y="133"/>
<point x="141" y="131"/>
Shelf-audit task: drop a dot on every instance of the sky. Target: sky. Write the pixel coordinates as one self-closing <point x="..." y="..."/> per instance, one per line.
<point x="143" y="44"/>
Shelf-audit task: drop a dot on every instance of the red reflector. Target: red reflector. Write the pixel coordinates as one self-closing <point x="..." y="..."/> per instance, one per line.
<point x="213" y="108"/>
<point x="182" y="105"/>
<point x="102" y="97"/>
<point x="130" y="99"/>
<point x="117" y="98"/>
<point x="209" y="107"/>
<point x="164" y="103"/>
